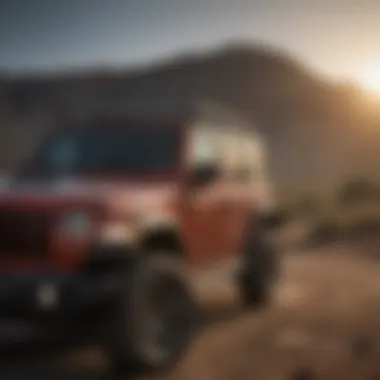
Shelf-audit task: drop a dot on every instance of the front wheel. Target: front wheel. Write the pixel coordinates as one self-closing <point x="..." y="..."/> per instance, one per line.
<point x="152" y="319"/>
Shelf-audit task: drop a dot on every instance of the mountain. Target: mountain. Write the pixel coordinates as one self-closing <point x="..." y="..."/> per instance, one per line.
<point x="312" y="127"/>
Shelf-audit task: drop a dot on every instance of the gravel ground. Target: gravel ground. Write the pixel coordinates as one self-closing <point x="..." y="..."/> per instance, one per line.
<point x="324" y="324"/>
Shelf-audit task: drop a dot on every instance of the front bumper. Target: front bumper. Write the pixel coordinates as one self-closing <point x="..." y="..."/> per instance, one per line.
<point x="52" y="295"/>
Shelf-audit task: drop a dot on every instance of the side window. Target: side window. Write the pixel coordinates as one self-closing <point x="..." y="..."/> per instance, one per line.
<point x="202" y="148"/>
<point x="249" y="168"/>
<point x="203" y="156"/>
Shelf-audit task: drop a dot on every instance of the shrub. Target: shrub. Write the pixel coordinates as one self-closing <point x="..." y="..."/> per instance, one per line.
<point x="325" y="231"/>
<point x="358" y="192"/>
<point x="364" y="226"/>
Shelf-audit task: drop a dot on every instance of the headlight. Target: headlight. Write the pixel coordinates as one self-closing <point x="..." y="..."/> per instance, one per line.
<point x="76" y="225"/>
<point x="118" y="233"/>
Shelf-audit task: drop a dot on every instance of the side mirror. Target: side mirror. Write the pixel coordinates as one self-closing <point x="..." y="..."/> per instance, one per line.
<point x="202" y="175"/>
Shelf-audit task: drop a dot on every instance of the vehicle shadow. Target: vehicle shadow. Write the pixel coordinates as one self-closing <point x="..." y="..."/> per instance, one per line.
<point x="35" y="356"/>
<point x="54" y="359"/>
<point x="36" y="360"/>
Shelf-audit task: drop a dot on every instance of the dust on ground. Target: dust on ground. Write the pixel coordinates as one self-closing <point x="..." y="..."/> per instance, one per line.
<point x="323" y="324"/>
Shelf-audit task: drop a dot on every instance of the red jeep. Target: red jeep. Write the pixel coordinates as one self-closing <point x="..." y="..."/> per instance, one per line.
<point x="108" y="222"/>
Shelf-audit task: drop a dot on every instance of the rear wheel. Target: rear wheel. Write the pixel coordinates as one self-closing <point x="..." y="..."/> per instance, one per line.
<point x="152" y="319"/>
<point x="260" y="269"/>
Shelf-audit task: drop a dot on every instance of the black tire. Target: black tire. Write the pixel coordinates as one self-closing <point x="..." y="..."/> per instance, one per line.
<point x="260" y="268"/>
<point x="150" y="284"/>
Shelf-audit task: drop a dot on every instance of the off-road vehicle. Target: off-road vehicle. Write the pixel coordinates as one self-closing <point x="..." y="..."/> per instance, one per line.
<point x="110" y="221"/>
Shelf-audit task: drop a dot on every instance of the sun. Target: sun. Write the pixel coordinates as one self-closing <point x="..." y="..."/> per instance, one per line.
<point x="370" y="79"/>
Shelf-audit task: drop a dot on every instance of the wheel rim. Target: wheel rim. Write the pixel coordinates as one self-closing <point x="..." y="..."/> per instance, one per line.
<point x="168" y="321"/>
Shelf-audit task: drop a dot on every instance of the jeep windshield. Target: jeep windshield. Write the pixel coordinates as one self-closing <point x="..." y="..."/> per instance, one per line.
<point x="105" y="151"/>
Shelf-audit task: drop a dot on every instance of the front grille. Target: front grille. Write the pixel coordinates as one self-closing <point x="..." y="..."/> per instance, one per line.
<point x="24" y="232"/>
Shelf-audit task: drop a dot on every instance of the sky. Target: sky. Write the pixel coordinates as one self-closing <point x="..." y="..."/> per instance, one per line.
<point x="338" y="38"/>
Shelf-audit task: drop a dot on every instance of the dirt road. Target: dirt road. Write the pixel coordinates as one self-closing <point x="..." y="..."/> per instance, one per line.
<point x="324" y="324"/>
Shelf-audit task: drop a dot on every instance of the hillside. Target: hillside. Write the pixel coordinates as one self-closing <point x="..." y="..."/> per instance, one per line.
<point x="312" y="128"/>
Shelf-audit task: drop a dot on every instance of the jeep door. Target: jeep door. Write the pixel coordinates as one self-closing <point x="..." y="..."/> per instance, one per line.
<point x="246" y="176"/>
<point x="204" y="223"/>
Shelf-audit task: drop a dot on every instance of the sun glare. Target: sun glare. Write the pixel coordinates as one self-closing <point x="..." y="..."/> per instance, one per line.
<point x="371" y="79"/>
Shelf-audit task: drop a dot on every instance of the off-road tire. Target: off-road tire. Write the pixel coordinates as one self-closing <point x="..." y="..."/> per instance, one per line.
<point x="260" y="269"/>
<point x="128" y="339"/>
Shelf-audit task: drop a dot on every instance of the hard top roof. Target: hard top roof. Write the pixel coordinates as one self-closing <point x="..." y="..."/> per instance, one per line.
<point x="152" y="114"/>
